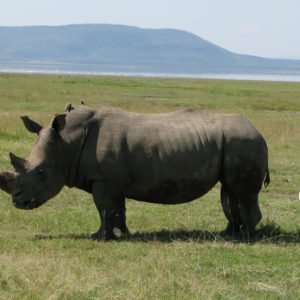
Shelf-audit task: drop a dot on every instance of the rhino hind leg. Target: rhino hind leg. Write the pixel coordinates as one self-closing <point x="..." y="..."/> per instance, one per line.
<point x="231" y="210"/>
<point x="250" y="213"/>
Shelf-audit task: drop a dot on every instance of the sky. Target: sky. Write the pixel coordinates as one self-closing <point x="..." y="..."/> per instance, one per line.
<point x="268" y="28"/>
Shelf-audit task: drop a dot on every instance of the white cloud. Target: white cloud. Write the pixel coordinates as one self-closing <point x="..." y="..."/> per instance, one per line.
<point x="276" y="1"/>
<point x="248" y="28"/>
<point x="271" y="1"/>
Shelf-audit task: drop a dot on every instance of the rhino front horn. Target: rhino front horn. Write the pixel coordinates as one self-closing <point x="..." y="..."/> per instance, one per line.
<point x="6" y="182"/>
<point x="18" y="163"/>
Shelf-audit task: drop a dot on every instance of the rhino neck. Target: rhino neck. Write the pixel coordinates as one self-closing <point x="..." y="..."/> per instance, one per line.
<point x="75" y="153"/>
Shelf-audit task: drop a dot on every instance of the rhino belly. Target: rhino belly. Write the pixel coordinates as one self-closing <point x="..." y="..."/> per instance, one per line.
<point x="173" y="192"/>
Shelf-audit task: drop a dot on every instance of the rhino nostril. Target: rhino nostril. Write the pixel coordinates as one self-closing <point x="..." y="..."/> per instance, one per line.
<point x="18" y="194"/>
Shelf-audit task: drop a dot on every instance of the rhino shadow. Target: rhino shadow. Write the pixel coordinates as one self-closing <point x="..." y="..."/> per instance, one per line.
<point x="198" y="236"/>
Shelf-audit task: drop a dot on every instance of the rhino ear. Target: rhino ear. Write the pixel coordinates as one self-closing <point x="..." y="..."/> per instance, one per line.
<point x="59" y="122"/>
<point x="31" y="125"/>
<point x="18" y="163"/>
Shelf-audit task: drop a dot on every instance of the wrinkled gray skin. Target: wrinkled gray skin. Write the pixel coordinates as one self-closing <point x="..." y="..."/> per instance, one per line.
<point x="159" y="158"/>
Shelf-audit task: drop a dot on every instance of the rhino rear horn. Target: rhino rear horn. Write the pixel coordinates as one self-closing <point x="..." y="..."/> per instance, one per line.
<point x="18" y="163"/>
<point x="31" y="125"/>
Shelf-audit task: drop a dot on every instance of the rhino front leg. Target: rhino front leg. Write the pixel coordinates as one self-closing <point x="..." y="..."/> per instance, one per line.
<point x="106" y="207"/>
<point x="119" y="218"/>
<point x="111" y="211"/>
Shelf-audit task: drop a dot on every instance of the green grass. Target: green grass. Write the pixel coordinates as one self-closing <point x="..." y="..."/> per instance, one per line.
<point x="174" y="252"/>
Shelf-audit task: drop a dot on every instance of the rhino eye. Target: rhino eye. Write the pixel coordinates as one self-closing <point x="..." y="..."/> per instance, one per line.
<point x="41" y="172"/>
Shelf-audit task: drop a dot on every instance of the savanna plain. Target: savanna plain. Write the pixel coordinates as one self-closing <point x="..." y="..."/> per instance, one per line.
<point x="173" y="252"/>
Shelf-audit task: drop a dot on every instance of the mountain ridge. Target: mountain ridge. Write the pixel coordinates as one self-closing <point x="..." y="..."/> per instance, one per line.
<point x="106" y="47"/>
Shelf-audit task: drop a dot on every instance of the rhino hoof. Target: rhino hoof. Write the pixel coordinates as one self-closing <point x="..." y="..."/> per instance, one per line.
<point x="231" y="230"/>
<point x="103" y="235"/>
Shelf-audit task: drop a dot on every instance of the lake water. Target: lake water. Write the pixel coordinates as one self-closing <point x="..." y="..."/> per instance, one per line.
<point x="255" y="77"/>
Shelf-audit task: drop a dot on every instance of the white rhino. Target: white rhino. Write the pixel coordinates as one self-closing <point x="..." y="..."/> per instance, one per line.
<point x="165" y="158"/>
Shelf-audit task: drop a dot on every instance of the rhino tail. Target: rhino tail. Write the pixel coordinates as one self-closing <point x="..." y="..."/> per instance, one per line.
<point x="267" y="179"/>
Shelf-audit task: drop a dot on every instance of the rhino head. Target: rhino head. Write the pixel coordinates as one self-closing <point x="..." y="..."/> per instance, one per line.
<point x="41" y="176"/>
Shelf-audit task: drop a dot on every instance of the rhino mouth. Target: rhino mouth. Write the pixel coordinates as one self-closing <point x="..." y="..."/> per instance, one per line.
<point x="20" y="201"/>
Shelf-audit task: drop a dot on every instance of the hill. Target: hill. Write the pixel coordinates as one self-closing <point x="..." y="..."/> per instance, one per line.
<point x="116" y="48"/>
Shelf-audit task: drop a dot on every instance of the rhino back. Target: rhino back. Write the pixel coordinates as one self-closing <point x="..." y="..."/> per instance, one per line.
<point x="174" y="156"/>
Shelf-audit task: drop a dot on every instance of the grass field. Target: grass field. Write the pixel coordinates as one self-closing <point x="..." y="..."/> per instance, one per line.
<point x="173" y="252"/>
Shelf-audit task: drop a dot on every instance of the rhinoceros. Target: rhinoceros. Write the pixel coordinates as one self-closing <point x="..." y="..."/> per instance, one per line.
<point x="166" y="158"/>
